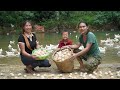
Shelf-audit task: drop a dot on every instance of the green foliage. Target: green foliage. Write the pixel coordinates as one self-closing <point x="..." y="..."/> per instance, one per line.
<point x="107" y="17"/>
<point x="50" y="23"/>
<point x="67" y="19"/>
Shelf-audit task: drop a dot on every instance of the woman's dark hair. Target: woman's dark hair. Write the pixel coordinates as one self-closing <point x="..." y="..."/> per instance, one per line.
<point x="82" y="22"/>
<point x="23" y="24"/>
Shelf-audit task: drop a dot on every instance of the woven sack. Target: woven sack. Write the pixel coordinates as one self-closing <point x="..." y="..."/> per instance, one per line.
<point x="42" y="57"/>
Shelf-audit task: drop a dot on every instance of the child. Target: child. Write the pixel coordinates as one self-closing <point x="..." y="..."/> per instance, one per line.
<point x="65" y="40"/>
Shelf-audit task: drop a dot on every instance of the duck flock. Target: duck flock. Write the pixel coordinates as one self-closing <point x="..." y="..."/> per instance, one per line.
<point x="11" y="52"/>
<point x="108" y="43"/>
<point x="15" y="52"/>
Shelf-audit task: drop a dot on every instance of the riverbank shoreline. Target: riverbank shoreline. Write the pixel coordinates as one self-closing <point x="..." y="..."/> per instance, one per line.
<point x="104" y="71"/>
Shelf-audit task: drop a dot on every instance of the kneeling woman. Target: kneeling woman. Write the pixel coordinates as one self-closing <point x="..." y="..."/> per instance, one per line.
<point x="28" y="42"/>
<point x="90" y="53"/>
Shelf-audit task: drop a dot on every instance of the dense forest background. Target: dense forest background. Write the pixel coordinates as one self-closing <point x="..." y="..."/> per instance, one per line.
<point x="56" y="21"/>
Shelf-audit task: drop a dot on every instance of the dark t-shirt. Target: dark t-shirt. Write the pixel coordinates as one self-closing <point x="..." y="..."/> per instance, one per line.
<point x="32" y="43"/>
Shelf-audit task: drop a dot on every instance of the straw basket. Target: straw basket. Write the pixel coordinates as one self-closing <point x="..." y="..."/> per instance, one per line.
<point x="64" y="66"/>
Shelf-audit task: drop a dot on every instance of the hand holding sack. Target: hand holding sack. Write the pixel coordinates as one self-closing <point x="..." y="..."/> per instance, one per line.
<point x="40" y="53"/>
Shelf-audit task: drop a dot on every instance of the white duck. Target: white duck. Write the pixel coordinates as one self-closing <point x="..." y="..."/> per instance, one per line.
<point x="118" y="53"/>
<point x="102" y="49"/>
<point x="9" y="46"/>
<point x="9" y="54"/>
<point x="1" y="51"/>
<point x="12" y="42"/>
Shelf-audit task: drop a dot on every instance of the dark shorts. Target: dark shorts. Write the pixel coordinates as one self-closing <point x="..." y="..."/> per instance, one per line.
<point x="29" y="61"/>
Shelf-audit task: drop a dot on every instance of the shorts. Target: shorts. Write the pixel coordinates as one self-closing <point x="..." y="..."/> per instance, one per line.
<point x="91" y="62"/>
<point x="34" y="63"/>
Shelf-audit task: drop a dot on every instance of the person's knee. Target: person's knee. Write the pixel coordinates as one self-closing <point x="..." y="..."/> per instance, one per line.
<point x="92" y="66"/>
<point x="34" y="65"/>
<point x="45" y="63"/>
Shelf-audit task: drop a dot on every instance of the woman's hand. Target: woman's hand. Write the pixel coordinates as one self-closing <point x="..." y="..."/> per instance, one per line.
<point x="34" y="57"/>
<point x="73" y="57"/>
<point x="63" y="47"/>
